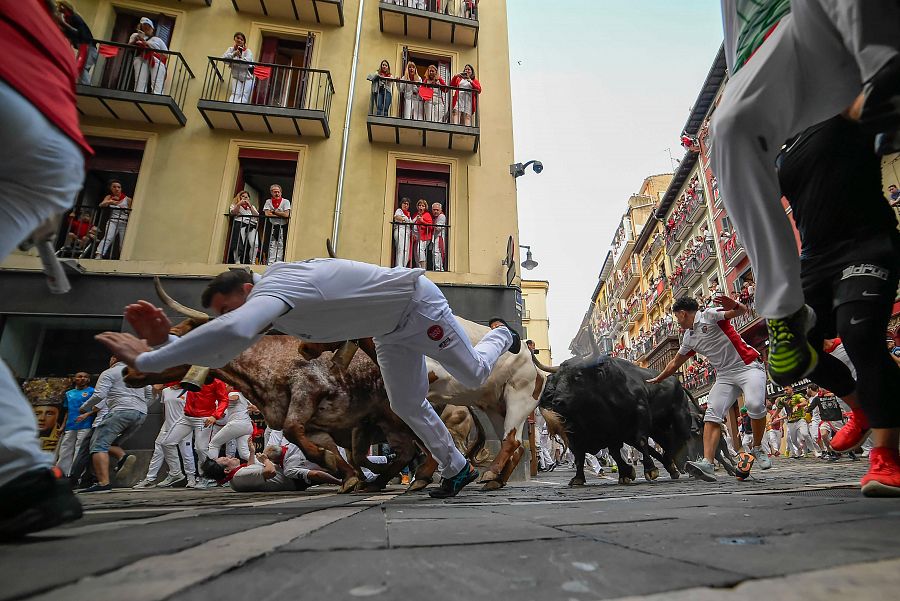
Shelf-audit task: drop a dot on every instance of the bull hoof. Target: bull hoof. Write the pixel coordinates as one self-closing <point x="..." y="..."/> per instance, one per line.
<point x="349" y="485"/>
<point x="489" y="476"/>
<point x="492" y="485"/>
<point x="631" y="473"/>
<point x="364" y="488"/>
<point x="576" y="481"/>
<point x="625" y="480"/>
<point x="417" y="485"/>
<point x="674" y="474"/>
<point x="651" y="475"/>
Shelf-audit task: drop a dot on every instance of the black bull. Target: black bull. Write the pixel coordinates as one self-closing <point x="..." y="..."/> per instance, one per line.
<point x="606" y="402"/>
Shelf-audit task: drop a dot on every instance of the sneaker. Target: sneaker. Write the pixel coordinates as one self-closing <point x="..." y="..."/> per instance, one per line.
<point x="516" y="345"/>
<point x="702" y="470"/>
<point x="883" y="478"/>
<point x="36" y="500"/>
<point x="762" y="459"/>
<point x="124" y="467"/>
<point x="450" y="487"/>
<point x="191" y="481"/>
<point x="145" y="483"/>
<point x="853" y="433"/>
<point x="791" y="357"/>
<point x="171" y="480"/>
<point x="743" y="465"/>
<point x="98" y="488"/>
<point x="404" y="479"/>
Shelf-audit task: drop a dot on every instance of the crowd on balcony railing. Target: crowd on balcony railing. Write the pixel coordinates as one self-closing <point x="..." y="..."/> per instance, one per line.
<point x="685" y="205"/>
<point x="420" y="238"/>
<point x="427" y="98"/>
<point x="82" y="237"/>
<point x="730" y="243"/>
<point x="684" y="263"/>
<point x="467" y="9"/>
<point x="254" y="237"/>
<point x="698" y="373"/>
<point x="655" y="288"/>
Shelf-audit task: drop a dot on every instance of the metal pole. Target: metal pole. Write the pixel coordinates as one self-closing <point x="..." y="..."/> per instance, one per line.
<point x="345" y="141"/>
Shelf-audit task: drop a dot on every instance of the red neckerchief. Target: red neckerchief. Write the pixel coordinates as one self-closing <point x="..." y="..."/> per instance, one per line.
<point x="231" y="474"/>
<point x="284" y="450"/>
<point x="405" y="213"/>
<point x="276" y="202"/>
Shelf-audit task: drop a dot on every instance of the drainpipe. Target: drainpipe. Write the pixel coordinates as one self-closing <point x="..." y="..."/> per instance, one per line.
<point x="346" y="136"/>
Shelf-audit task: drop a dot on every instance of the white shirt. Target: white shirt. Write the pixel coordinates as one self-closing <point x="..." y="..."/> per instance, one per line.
<point x="715" y="338"/>
<point x="294" y="463"/>
<point x="285" y="205"/>
<point x="173" y="399"/>
<point x="238" y="408"/>
<point x="119" y="397"/>
<point x="239" y="71"/>
<point x="321" y="300"/>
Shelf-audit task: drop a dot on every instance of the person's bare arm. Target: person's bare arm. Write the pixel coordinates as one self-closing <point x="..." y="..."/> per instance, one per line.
<point x="732" y="307"/>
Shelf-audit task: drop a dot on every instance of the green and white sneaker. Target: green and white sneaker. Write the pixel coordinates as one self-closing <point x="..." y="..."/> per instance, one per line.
<point x="702" y="470"/>
<point x="762" y="458"/>
<point x="791" y="357"/>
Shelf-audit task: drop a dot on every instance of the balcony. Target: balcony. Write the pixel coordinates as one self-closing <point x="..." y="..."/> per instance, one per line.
<point x="445" y="21"/>
<point x="423" y="115"/>
<point x="635" y="311"/>
<point x="659" y="241"/>
<point x="266" y="98"/>
<point x="695" y="207"/>
<point x="656" y="292"/>
<point x="625" y="280"/>
<point x="92" y="233"/>
<point x="425" y="246"/>
<point x="130" y="84"/>
<point x="733" y="250"/>
<point x="679" y="284"/>
<point x="255" y="239"/>
<point x="745" y="321"/>
<point x="622" y="251"/>
<point x="671" y="243"/>
<point x="705" y="257"/>
<point x="700" y="381"/>
<point x="327" y="12"/>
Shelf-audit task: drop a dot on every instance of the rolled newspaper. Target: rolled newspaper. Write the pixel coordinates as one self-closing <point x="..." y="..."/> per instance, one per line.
<point x="53" y="269"/>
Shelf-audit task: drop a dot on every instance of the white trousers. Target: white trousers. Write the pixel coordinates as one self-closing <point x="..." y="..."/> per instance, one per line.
<point x="239" y="431"/>
<point x="184" y="427"/>
<point x="545" y="447"/>
<point x="41" y="170"/>
<point x="430" y="329"/>
<point x="747" y="441"/>
<point x="239" y="91"/>
<point x="809" y="69"/>
<point x="799" y="440"/>
<point x="772" y="442"/>
<point x="403" y="243"/>
<point x="749" y="380"/>
<point x="115" y="232"/>
<point x="170" y="455"/>
<point x="144" y="73"/>
<point x="438" y="254"/>
<point x="68" y="447"/>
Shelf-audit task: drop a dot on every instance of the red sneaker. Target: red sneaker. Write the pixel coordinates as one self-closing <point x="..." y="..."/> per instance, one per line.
<point x="883" y="479"/>
<point x="853" y="433"/>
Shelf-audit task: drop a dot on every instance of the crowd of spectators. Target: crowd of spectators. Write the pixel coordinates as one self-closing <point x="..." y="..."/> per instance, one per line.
<point x="684" y="261"/>
<point x="684" y="207"/>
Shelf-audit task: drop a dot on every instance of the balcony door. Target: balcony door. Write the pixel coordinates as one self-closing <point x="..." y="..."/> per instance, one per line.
<point x="422" y="61"/>
<point x="284" y="84"/>
<point x="431" y="183"/>
<point x="118" y="75"/>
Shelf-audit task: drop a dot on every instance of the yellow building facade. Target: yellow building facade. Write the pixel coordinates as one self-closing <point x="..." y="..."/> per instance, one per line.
<point x="303" y="114"/>
<point x="536" y="318"/>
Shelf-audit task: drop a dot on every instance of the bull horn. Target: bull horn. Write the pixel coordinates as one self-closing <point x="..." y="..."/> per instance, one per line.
<point x="344" y="355"/>
<point x="547" y="368"/>
<point x="330" y="248"/>
<point x="175" y="305"/>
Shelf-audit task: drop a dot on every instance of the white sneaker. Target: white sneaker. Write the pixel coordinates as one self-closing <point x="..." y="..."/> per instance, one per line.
<point x="191" y="481"/>
<point x="171" y="480"/>
<point x="702" y="470"/>
<point x="145" y="483"/>
<point x="762" y="458"/>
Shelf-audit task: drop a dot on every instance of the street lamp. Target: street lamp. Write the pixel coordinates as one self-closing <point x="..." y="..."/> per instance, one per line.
<point x="518" y="169"/>
<point x="529" y="263"/>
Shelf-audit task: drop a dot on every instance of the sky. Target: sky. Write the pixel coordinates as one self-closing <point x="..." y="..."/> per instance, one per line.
<point x="600" y="92"/>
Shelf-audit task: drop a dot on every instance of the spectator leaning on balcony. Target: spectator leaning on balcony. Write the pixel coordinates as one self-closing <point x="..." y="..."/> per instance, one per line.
<point x="80" y="233"/>
<point x="465" y="103"/>
<point x="432" y="95"/>
<point x="381" y="89"/>
<point x="120" y="206"/>
<point x="402" y="235"/>
<point x="149" y="63"/>
<point x="241" y="77"/>
<point x="278" y="212"/>
<point x="424" y="230"/>
<point x="245" y="217"/>
<point x="82" y="40"/>
<point x="439" y="238"/>
<point x="412" y="104"/>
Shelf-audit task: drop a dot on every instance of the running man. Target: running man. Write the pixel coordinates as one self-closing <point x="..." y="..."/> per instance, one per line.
<point x="336" y="299"/>
<point x="791" y="64"/>
<point x="738" y="369"/>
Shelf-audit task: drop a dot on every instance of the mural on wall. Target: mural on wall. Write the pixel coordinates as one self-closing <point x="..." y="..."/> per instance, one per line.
<point x="48" y="400"/>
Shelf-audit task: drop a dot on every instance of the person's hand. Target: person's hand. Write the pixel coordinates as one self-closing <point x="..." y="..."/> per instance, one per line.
<point x="209" y="421"/>
<point x="149" y="322"/>
<point x="655" y="380"/>
<point x="83" y="417"/>
<point x="124" y="346"/>
<point x="252" y="408"/>
<point x="726" y="302"/>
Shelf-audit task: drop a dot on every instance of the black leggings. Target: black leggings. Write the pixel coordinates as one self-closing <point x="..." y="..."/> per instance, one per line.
<point x="861" y="326"/>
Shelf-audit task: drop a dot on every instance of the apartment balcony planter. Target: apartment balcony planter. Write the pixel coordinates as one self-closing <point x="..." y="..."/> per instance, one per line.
<point x="266" y="98"/>
<point x="129" y="84"/>
<point x="444" y="21"/>
<point x="327" y="12"/>
<point x="398" y="115"/>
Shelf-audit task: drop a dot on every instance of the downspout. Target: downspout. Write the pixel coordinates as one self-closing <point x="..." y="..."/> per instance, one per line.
<point x="346" y="137"/>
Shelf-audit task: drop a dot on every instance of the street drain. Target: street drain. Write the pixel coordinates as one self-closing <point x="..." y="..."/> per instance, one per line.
<point x="840" y="493"/>
<point x="749" y="540"/>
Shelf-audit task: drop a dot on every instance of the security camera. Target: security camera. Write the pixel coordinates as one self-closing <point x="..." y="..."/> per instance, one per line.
<point x="518" y="169"/>
<point x="538" y="166"/>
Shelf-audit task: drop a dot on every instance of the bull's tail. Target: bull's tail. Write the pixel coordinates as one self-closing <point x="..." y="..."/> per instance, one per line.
<point x="476" y="446"/>
<point x="556" y="424"/>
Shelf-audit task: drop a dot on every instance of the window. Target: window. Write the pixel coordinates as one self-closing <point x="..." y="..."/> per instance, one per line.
<point x="726" y="225"/>
<point x="257" y="220"/>
<point x="437" y="109"/>
<point x="94" y="231"/>
<point x="414" y="244"/>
